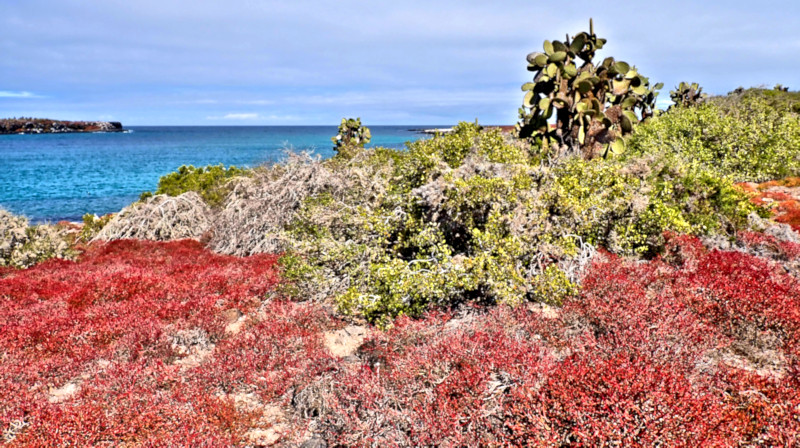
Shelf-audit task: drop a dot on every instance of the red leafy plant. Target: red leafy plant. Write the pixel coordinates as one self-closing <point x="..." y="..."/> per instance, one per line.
<point x="133" y="345"/>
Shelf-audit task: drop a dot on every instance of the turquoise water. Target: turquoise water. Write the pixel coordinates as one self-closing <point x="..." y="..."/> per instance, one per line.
<point x="55" y="177"/>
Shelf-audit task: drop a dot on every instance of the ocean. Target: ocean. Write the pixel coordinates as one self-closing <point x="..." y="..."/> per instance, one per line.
<point x="53" y="177"/>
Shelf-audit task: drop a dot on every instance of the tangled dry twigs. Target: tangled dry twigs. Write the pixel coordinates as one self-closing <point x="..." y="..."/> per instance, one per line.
<point x="160" y="218"/>
<point x="258" y="208"/>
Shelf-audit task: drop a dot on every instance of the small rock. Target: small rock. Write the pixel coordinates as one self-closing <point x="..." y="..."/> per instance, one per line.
<point x="309" y="402"/>
<point x="65" y="392"/>
<point x="235" y="327"/>
<point x="194" y="345"/>
<point x="264" y="437"/>
<point x="544" y="310"/>
<point x="316" y="442"/>
<point x="231" y="316"/>
<point x="272" y="416"/>
<point x="345" y="342"/>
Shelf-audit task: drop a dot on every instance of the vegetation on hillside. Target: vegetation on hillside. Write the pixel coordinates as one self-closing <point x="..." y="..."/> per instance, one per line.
<point x="483" y="216"/>
<point x="779" y="97"/>
<point x="29" y="125"/>
<point x="744" y="138"/>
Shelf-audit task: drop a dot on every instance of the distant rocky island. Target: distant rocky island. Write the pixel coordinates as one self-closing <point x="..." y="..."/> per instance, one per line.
<point x="48" y="126"/>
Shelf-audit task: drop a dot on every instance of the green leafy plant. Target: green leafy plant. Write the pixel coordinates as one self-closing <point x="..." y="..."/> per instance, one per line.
<point x="474" y="216"/>
<point x="594" y="105"/>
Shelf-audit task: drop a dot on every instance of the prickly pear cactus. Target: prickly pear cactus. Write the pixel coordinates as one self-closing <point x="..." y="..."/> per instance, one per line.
<point x="351" y="133"/>
<point x="573" y="105"/>
<point x="687" y="95"/>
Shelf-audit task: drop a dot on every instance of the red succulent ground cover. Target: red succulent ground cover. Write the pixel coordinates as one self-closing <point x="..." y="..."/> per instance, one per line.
<point x="697" y="348"/>
<point x="781" y="196"/>
<point x="114" y="329"/>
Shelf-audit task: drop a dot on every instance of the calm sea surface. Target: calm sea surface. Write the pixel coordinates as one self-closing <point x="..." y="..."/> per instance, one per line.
<point x="52" y="177"/>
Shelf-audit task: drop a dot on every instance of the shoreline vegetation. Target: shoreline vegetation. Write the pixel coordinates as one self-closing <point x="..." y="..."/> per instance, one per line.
<point x="48" y="126"/>
<point x="607" y="274"/>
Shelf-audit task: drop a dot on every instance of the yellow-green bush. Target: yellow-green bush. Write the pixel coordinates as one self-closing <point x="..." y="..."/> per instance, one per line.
<point x="747" y="139"/>
<point x="93" y="224"/>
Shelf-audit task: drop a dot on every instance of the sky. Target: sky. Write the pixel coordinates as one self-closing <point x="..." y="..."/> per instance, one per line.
<point x="298" y="62"/>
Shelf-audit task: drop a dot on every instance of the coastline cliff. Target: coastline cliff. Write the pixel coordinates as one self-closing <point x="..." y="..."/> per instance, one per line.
<point x="47" y="126"/>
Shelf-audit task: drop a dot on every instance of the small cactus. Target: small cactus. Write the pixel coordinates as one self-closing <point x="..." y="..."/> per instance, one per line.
<point x="687" y="95"/>
<point x="594" y="105"/>
<point x="351" y="133"/>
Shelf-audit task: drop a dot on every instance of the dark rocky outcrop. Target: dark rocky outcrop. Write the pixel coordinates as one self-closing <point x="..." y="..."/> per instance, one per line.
<point x="47" y="126"/>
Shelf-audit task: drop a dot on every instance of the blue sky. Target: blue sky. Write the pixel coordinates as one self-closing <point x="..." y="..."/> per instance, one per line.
<point x="248" y="62"/>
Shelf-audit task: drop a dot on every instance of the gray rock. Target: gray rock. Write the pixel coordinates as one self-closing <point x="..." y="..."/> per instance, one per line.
<point x="314" y="442"/>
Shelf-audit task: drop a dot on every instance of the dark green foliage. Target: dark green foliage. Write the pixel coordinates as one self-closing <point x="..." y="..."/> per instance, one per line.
<point x="687" y="95"/>
<point x="93" y="224"/>
<point x="594" y="105"/>
<point x="210" y="182"/>
<point x="351" y="134"/>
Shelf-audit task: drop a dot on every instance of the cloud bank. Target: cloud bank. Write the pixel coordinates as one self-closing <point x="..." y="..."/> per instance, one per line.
<point x="8" y="94"/>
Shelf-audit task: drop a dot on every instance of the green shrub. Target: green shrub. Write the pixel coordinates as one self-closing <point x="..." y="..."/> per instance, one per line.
<point x="352" y="134"/>
<point x="778" y="98"/>
<point x="748" y="140"/>
<point x="93" y="224"/>
<point x="211" y="182"/>
<point x="472" y="216"/>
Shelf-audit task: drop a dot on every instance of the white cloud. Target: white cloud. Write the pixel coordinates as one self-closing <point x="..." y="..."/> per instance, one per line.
<point x="9" y="94"/>
<point x="250" y="116"/>
<point x="256" y="102"/>
<point x="239" y="116"/>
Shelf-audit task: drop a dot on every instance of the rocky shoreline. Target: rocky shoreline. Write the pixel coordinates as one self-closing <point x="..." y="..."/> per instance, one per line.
<point x="442" y="131"/>
<point x="47" y="126"/>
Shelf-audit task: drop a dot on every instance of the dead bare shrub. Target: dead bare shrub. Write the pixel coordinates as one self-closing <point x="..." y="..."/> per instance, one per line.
<point x="256" y="212"/>
<point x="23" y="245"/>
<point x="160" y="218"/>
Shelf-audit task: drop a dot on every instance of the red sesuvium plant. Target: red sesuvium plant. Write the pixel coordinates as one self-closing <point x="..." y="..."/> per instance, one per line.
<point x="782" y="197"/>
<point x="698" y="347"/>
<point x="89" y="352"/>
